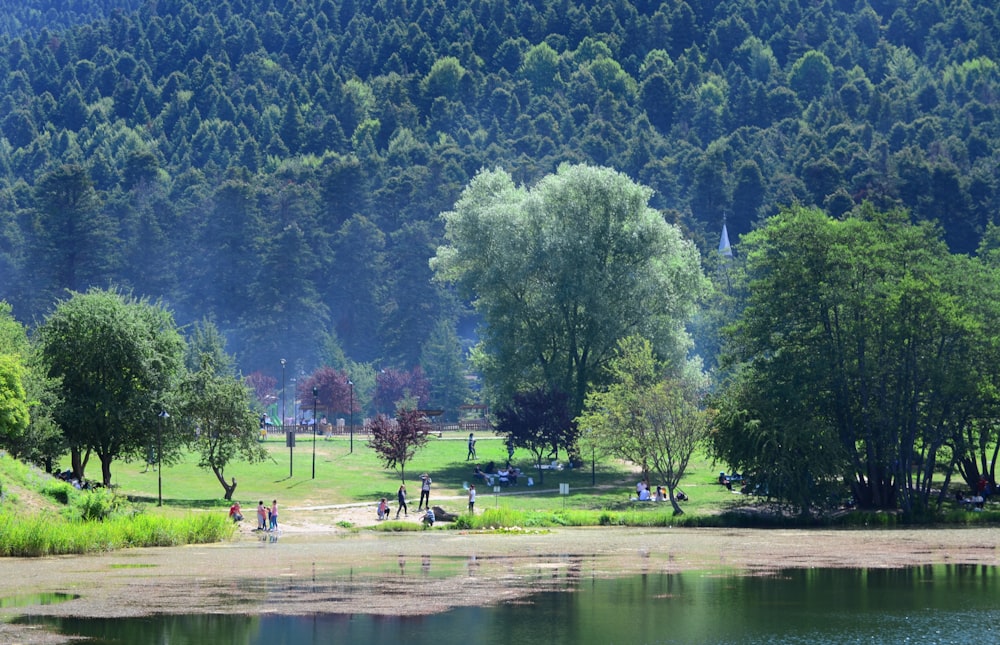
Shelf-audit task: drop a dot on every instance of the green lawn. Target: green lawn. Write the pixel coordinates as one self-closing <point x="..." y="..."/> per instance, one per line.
<point x="345" y="477"/>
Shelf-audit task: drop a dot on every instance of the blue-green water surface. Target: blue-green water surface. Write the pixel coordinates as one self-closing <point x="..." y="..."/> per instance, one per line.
<point x="929" y="604"/>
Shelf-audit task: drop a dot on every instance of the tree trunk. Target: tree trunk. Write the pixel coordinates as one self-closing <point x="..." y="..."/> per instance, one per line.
<point x="229" y="488"/>
<point x="78" y="463"/>
<point x="673" y="501"/>
<point x="106" y="460"/>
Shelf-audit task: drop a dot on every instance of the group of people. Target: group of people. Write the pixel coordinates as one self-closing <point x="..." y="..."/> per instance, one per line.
<point x="976" y="501"/>
<point x="383" y="510"/>
<point x="644" y="494"/>
<point x="383" y="505"/>
<point x="425" y="498"/>
<point x="506" y="476"/>
<point x="267" y="516"/>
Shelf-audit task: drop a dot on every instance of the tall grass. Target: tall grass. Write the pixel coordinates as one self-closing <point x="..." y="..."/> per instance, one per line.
<point x="31" y="536"/>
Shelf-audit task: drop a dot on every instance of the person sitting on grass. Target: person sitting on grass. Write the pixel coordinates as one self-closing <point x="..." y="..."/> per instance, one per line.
<point x="428" y="519"/>
<point x="478" y="473"/>
<point x="234" y="513"/>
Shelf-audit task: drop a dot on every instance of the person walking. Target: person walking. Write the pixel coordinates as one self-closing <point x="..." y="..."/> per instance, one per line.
<point x="401" y="501"/>
<point x="425" y="491"/>
<point x="472" y="498"/>
<point x="472" y="447"/>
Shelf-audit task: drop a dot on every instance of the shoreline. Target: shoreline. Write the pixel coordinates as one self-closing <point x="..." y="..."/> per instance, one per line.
<point x="302" y="571"/>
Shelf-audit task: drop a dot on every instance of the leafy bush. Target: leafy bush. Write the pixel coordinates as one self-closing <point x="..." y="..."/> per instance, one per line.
<point x="98" y="504"/>
<point x="59" y="491"/>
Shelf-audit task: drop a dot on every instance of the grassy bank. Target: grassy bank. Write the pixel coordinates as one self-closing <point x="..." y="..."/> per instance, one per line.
<point x="44" y="516"/>
<point x="41" y="515"/>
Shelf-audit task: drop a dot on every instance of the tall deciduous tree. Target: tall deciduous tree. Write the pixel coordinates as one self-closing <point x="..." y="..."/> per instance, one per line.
<point x="857" y="356"/>
<point x="116" y="358"/>
<point x="13" y="403"/>
<point x="333" y="390"/>
<point x="27" y="430"/>
<point x="560" y="272"/>
<point x="397" y="389"/>
<point x="395" y="441"/>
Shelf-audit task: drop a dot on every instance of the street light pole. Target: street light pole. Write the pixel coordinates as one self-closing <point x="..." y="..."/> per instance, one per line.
<point x="351" y="383"/>
<point x="315" y="400"/>
<point x="282" y="396"/>
<point x="283" y="430"/>
<point x="159" y="457"/>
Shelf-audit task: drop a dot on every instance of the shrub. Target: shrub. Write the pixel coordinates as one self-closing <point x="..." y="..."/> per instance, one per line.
<point x="98" y="504"/>
<point x="58" y="490"/>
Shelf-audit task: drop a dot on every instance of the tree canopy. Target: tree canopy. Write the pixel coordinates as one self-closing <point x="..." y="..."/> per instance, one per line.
<point x="395" y="441"/>
<point x="278" y="167"/>
<point x="651" y="416"/>
<point x="559" y="272"/>
<point x="116" y="358"/>
<point x="863" y="354"/>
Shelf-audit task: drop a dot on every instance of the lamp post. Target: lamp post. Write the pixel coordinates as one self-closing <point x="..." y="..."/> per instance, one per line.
<point x="351" y="384"/>
<point x="159" y="457"/>
<point x="593" y="466"/>
<point x="282" y="395"/>
<point x="283" y="431"/>
<point x="315" y="400"/>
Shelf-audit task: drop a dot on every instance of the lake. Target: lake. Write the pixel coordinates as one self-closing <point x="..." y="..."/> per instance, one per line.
<point x="934" y="603"/>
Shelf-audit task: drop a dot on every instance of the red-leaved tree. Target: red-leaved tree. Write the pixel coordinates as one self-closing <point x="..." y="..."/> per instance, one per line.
<point x="393" y="386"/>
<point x="333" y="391"/>
<point x="395" y="441"/>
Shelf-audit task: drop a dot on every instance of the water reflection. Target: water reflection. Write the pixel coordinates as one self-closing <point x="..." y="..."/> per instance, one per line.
<point x="928" y="604"/>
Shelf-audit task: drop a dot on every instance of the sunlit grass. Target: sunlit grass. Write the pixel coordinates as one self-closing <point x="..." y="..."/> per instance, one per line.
<point x="40" y="535"/>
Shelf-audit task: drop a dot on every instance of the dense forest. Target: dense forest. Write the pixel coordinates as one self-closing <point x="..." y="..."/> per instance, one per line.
<point x="279" y="167"/>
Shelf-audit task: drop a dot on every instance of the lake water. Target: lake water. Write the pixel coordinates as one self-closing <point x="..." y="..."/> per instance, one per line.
<point x="928" y="604"/>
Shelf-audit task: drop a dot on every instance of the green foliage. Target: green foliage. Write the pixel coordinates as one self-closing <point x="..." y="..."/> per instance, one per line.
<point x="647" y="415"/>
<point x="558" y="272"/>
<point x="446" y="370"/>
<point x="98" y="505"/>
<point x="220" y="424"/>
<point x="13" y="401"/>
<point x="59" y="491"/>
<point x="43" y="535"/>
<point x="838" y="370"/>
<point x="116" y="357"/>
<point x="217" y="171"/>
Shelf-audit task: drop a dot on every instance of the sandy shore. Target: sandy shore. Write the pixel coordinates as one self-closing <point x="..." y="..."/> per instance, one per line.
<point x="319" y="568"/>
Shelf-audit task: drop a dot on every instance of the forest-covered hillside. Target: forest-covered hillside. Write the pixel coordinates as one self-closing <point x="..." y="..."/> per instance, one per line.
<point x="279" y="166"/>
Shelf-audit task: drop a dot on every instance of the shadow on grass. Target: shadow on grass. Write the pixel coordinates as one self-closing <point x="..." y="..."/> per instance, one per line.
<point x="206" y="504"/>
